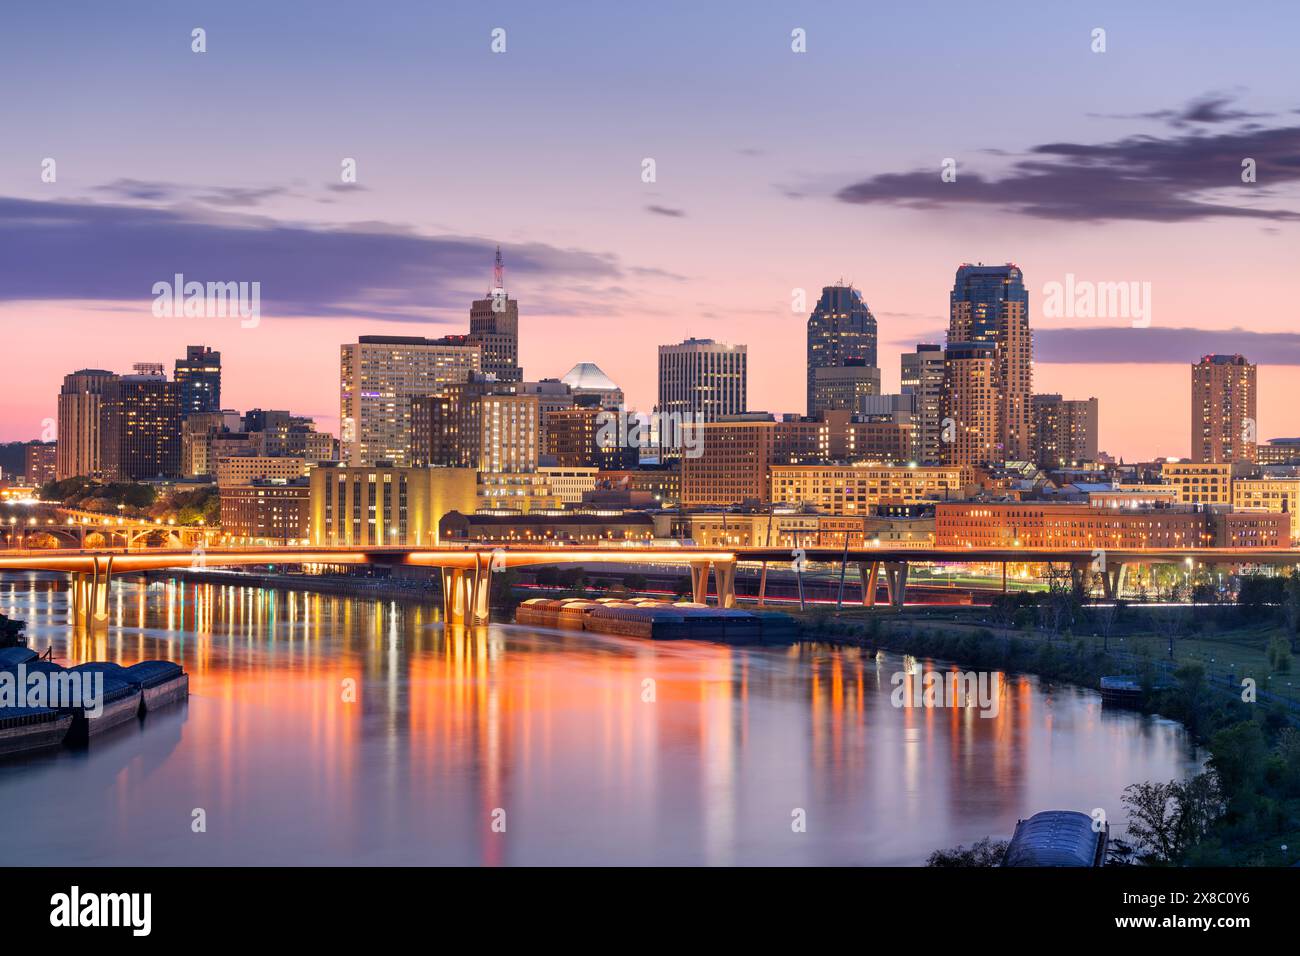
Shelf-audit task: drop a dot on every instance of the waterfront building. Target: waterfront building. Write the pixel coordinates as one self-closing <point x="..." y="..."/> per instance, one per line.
<point x="79" y="438"/>
<point x="569" y="483"/>
<point x="386" y="504"/>
<point x="860" y="489"/>
<point x="798" y="529"/>
<point x="379" y="376"/>
<point x="841" y="331"/>
<point x="995" y="525"/>
<point x="266" y="512"/>
<point x="246" y="469"/>
<point x="1223" y="410"/>
<point x="550" y="528"/>
<point x="140" y="428"/>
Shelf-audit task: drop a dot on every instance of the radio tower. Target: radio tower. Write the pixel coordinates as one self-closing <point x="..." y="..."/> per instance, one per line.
<point x="499" y="274"/>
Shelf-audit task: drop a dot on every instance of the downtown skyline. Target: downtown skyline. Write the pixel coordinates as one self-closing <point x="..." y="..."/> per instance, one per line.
<point x="747" y="206"/>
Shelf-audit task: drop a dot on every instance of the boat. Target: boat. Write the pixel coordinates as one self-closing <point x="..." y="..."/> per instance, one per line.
<point x="121" y="703"/>
<point x="161" y="683"/>
<point x="26" y="730"/>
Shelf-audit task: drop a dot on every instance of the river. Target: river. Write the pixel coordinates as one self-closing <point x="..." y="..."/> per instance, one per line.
<point x="332" y="730"/>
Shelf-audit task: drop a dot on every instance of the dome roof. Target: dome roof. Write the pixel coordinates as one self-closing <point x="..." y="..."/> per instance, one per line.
<point x="588" y="376"/>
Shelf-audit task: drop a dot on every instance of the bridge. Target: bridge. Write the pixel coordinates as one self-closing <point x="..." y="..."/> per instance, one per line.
<point x="467" y="570"/>
<point x="72" y="526"/>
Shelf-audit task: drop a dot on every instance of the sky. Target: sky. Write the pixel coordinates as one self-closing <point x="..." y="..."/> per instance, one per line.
<point x="774" y="171"/>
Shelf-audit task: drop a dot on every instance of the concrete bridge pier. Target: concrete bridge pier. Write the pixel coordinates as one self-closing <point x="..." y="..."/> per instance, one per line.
<point x="896" y="582"/>
<point x="1112" y="580"/>
<point x="90" y="593"/>
<point x="870" y="573"/>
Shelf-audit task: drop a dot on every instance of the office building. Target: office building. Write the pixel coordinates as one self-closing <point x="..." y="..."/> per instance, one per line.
<point x="385" y="504"/>
<point x="198" y="376"/>
<point x="861" y="489"/>
<point x="701" y="380"/>
<point x="494" y="329"/>
<point x="590" y="386"/>
<point x="78" y="444"/>
<point x="841" y="331"/>
<point x="140" y="428"/>
<point x="480" y="423"/>
<point x="844" y="387"/>
<point x="379" y="376"/>
<point x="266" y="512"/>
<point x="40" y="463"/>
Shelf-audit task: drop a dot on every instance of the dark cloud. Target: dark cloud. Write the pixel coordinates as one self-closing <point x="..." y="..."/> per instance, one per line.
<point x="78" y="250"/>
<point x="1155" y="345"/>
<point x="1211" y="108"/>
<point x="1175" y="178"/>
<point x="139" y="190"/>
<point x="665" y="211"/>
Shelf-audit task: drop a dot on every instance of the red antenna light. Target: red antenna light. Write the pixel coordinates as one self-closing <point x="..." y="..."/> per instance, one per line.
<point x="499" y="272"/>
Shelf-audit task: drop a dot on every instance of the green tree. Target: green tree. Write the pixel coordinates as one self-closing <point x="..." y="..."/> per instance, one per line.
<point x="985" y="852"/>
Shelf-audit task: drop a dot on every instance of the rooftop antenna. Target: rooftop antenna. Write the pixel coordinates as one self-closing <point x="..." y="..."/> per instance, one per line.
<point x="499" y="273"/>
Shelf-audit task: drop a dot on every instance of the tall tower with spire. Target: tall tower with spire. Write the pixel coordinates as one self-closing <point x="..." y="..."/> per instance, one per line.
<point x="494" y="328"/>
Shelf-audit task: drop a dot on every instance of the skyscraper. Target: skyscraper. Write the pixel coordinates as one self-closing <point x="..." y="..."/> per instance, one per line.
<point x="989" y="309"/>
<point x="199" y="378"/>
<point x="922" y="378"/>
<point x="79" y="436"/>
<point x="141" y="428"/>
<point x="480" y="423"/>
<point x="701" y="377"/>
<point x="840" y="329"/>
<point x="1223" y="410"/>
<point x="379" y="375"/>
<point x="494" y="328"/>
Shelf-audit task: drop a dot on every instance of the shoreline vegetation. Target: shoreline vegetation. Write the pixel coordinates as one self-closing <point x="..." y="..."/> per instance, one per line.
<point x="1222" y="670"/>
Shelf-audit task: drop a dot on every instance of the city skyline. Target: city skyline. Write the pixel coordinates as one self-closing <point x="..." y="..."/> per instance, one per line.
<point x="745" y="208"/>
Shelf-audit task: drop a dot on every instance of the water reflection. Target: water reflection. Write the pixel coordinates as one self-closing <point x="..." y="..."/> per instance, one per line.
<point x="598" y="750"/>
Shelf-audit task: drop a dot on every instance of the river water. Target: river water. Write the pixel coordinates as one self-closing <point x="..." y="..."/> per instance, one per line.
<point x="331" y="730"/>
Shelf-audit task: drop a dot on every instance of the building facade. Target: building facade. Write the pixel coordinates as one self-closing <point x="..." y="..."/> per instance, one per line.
<point x="198" y="376"/>
<point x="1065" y="430"/>
<point x="922" y="378"/>
<point x="494" y="329"/>
<point x="860" y="489"/>
<point x="79" y="413"/>
<point x="140" y="428"/>
<point x="841" y="329"/>
<point x="386" y="505"/>
<point x="379" y="376"/>
<point x="702" y="380"/>
<point x="267" y="512"/>
<point x="989" y="306"/>
<point x="1223" y="410"/>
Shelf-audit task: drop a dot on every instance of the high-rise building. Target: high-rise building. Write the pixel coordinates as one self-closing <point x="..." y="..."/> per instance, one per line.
<point x="140" y="428"/>
<point x="480" y="423"/>
<point x="197" y="432"/>
<point x="494" y="328"/>
<point x="989" y="307"/>
<point x="702" y="380"/>
<point x="590" y="386"/>
<point x="922" y="378"/>
<point x="969" y="427"/>
<point x="1065" y="430"/>
<point x="379" y="376"/>
<point x="1223" y="409"/>
<point x="78" y="427"/>
<point x="841" y="329"/>
<point x="843" y="387"/>
<point x="199" y="378"/>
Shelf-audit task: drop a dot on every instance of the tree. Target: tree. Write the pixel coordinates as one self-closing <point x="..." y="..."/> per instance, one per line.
<point x="1106" y="617"/>
<point x="985" y="852"/>
<point x="1238" y="754"/>
<point x="1171" y="623"/>
<point x="1168" y="819"/>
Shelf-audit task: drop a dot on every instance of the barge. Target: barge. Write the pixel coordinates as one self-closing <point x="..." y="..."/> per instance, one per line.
<point x="658" y="620"/>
